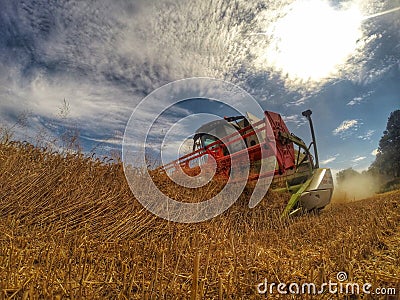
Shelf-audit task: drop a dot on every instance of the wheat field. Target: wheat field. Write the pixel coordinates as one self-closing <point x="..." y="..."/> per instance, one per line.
<point x="70" y="228"/>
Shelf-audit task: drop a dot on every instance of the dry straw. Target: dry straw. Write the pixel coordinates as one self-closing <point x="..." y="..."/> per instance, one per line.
<point x="70" y="228"/>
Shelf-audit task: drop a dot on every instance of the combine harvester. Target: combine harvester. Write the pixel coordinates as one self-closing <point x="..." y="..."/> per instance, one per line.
<point x="294" y="170"/>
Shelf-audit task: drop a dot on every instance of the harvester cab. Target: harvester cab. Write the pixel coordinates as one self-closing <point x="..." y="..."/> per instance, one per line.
<point x="227" y="142"/>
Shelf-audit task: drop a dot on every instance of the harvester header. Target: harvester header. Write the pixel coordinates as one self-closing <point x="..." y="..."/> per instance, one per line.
<point x="220" y="143"/>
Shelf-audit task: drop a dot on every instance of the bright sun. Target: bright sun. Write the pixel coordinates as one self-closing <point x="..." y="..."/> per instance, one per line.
<point x="312" y="40"/>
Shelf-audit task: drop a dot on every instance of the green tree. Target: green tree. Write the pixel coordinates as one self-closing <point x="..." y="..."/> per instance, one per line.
<point x="388" y="158"/>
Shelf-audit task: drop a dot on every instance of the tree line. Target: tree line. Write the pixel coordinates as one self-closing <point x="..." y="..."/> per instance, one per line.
<point x="386" y="167"/>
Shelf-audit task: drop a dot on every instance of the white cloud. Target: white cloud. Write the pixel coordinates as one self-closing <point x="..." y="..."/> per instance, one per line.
<point x="355" y="101"/>
<point x="358" y="158"/>
<point x="93" y="106"/>
<point x="113" y="140"/>
<point x="359" y="99"/>
<point x="329" y="160"/>
<point x="298" y="102"/>
<point x="367" y="135"/>
<point x="346" y="125"/>
<point x="374" y="152"/>
<point x="294" y="119"/>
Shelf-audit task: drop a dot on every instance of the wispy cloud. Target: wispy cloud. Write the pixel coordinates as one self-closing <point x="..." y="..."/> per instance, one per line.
<point x="329" y="160"/>
<point x="345" y="126"/>
<point x="358" y="158"/>
<point x="359" y="99"/>
<point x="103" y="63"/>
<point x="356" y="100"/>
<point x="367" y="135"/>
<point x="295" y="119"/>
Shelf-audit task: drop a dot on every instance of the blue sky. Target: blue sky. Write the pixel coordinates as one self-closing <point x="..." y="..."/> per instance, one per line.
<point x="339" y="58"/>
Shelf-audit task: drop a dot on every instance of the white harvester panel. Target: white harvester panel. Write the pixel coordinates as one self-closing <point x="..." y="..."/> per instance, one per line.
<point x="319" y="192"/>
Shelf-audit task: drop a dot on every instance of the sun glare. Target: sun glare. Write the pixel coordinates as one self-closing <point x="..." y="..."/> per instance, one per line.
<point x="312" y="40"/>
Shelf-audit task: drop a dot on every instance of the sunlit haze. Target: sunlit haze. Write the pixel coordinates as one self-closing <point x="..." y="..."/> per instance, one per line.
<point x="312" y="40"/>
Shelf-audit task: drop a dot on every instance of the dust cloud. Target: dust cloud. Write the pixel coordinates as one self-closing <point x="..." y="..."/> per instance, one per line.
<point x="355" y="188"/>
